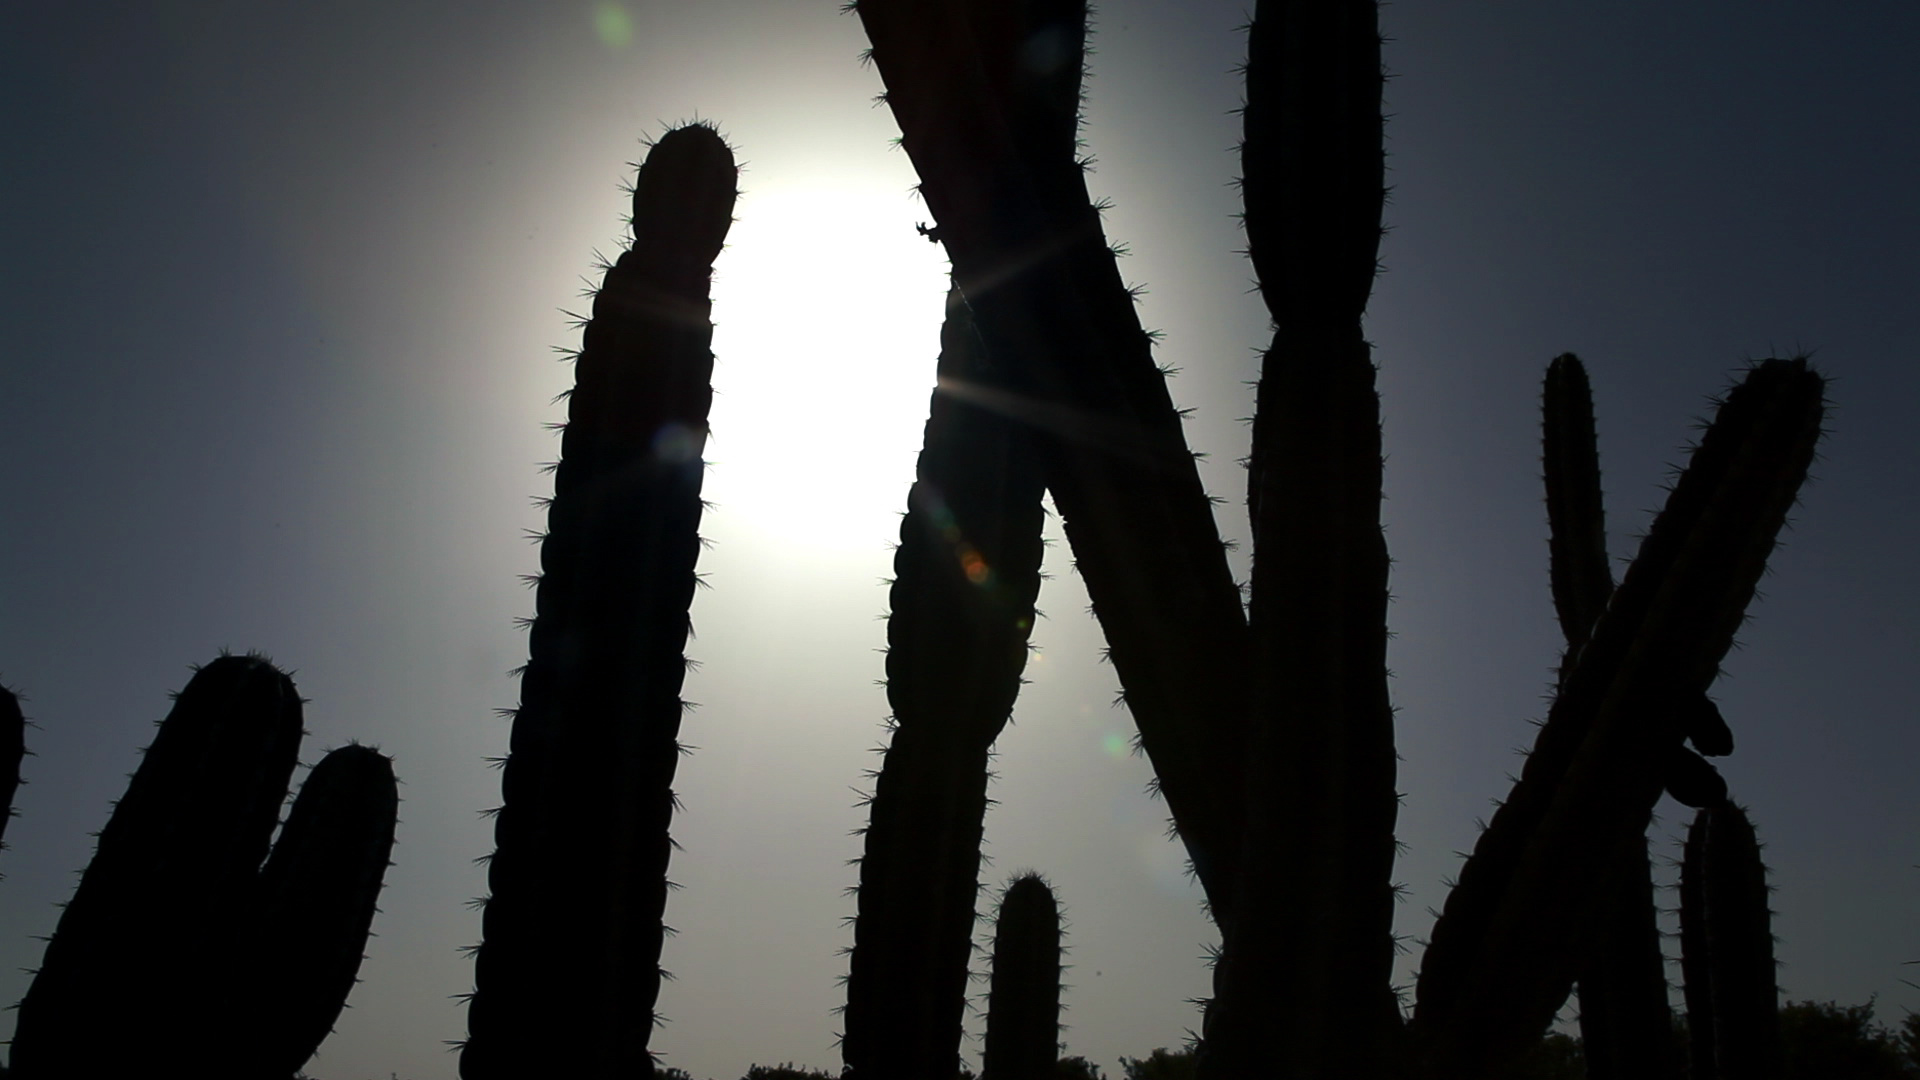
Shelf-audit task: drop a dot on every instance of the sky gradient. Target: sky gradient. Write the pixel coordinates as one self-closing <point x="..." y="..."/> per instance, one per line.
<point x="282" y="290"/>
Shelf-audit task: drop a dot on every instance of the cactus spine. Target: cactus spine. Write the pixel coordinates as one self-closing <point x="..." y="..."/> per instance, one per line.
<point x="568" y="972"/>
<point x="1023" y="998"/>
<point x="1726" y="941"/>
<point x="176" y="921"/>
<point x="965" y="577"/>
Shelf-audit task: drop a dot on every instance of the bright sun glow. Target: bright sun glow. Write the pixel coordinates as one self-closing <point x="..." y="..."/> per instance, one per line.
<point x="827" y="309"/>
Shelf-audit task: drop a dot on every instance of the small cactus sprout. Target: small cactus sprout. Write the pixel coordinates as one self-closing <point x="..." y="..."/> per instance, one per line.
<point x="966" y="575"/>
<point x="176" y="926"/>
<point x="1023" y="998"/>
<point x="1726" y="950"/>
<point x="568" y="972"/>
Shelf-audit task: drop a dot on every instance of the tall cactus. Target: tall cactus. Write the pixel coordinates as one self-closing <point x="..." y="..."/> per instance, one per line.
<point x="1023" y="996"/>
<point x="176" y="926"/>
<point x="1626" y="1024"/>
<point x="568" y="973"/>
<point x="1726" y="941"/>
<point x="965" y="577"/>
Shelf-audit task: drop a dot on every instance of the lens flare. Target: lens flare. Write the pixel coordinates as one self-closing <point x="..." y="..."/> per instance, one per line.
<point x="612" y="25"/>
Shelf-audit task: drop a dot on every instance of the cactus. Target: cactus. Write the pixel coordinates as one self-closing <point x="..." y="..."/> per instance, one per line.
<point x="1626" y="1024"/>
<point x="13" y="748"/>
<point x="568" y="972"/>
<point x="1023" y="999"/>
<point x="1726" y="941"/>
<point x="1505" y="948"/>
<point x="1269" y="731"/>
<point x="176" y="920"/>
<point x="966" y="574"/>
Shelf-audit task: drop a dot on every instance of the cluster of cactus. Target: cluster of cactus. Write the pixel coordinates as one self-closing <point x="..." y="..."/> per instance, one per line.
<point x="1266" y="718"/>
<point x="184" y="921"/>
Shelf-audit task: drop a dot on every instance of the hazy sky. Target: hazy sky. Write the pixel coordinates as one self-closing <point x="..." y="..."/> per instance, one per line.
<point x="282" y="284"/>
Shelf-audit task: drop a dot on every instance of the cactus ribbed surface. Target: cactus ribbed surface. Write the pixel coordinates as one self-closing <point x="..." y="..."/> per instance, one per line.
<point x="966" y="574"/>
<point x="1023" y="996"/>
<point x="176" y="927"/>
<point x="568" y="971"/>
<point x="1726" y="945"/>
<point x="1505" y="950"/>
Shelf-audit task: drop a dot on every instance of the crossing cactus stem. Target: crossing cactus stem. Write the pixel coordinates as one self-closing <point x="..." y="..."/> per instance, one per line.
<point x="1504" y="951"/>
<point x="567" y="974"/>
<point x="966" y="574"/>
<point x="1023" y="997"/>
<point x="1726" y="942"/>
<point x="176" y="921"/>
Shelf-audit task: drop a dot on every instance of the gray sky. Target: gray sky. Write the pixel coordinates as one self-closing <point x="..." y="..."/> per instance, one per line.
<point x="282" y="284"/>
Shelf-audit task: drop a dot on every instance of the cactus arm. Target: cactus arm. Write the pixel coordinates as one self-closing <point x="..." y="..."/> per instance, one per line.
<point x="1726" y="939"/>
<point x="966" y="575"/>
<point x="1576" y="513"/>
<point x="313" y="912"/>
<point x="143" y="948"/>
<point x="1023" y="995"/>
<point x="1302" y="987"/>
<point x="1000" y="176"/>
<point x="1504" y="951"/>
<point x="568" y="971"/>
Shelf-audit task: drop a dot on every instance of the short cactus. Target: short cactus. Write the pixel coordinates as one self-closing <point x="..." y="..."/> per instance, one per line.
<point x="1726" y="950"/>
<point x="176" y="920"/>
<point x="1023" y="997"/>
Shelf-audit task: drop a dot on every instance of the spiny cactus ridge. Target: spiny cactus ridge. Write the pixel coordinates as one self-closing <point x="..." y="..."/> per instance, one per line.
<point x="176" y="920"/>
<point x="568" y="972"/>
<point x="1023" y="997"/>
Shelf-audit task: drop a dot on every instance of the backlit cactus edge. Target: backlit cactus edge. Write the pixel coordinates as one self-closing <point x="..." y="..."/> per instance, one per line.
<point x="1267" y="723"/>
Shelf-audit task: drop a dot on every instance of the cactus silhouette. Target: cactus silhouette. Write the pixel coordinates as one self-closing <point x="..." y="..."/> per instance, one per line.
<point x="1726" y="942"/>
<point x="965" y="577"/>
<point x="177" y="927"/>
<point x="1023" y="997"/>
<point x="1266" y="717"/>
<point x="568" y="970"/>
<point x="1626" y="1025"/>
<point x="13" y="748"/>
<point x="1269" y="729"/>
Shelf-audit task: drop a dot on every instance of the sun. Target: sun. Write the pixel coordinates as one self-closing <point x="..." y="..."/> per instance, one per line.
<point x="827" y="308"/>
